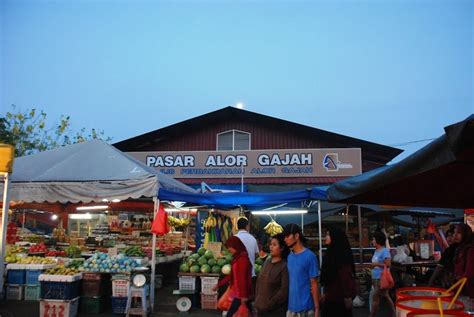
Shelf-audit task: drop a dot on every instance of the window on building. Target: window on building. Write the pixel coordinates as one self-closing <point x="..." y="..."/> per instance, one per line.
<point x="233" y="140"/>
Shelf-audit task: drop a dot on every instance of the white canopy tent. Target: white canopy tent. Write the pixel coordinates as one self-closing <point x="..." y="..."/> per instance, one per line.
<point x="85" y="172"/>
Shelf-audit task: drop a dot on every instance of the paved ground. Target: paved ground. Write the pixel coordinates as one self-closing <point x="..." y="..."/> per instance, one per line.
<point x="164" y="307"/>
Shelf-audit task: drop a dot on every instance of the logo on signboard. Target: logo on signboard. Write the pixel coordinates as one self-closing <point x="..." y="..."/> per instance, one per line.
<point x="331" y="162"/>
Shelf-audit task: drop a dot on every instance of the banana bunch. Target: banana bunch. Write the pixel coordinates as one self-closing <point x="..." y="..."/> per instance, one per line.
<point x="273" y="228"/>
<point x="178" y="222"/>
<point x="61" y="270"/>
<point x="211" y="222"/>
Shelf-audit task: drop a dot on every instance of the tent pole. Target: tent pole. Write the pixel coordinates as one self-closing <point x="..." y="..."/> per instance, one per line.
<point x="3" y="235"/>
<point x="153" y="257"/>
<point x="359" y="221"/>
<point x="320" y="235"/>
<point x="347" y="219"/>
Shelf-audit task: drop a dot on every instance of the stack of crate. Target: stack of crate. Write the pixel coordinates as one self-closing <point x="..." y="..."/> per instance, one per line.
<point x="208" y="296"/>
<point x="23" y="280"/>
<point x="120" y="291"/>
<point x="96" y="291"/>
<point x="16" y="277"/>
<point x="59" y="294"/>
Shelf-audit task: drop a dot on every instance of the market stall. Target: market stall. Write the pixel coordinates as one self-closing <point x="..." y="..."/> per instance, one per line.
<point x="88" y="172"/>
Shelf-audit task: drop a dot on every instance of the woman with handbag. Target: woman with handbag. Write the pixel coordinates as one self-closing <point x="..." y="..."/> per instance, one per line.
<point x="240" y="279"/>
<point x="337" y="276"/>
<point x="380" y="260"/>
<point x="272" y="283"/>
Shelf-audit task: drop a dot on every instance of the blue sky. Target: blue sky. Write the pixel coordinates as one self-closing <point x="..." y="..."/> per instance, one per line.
<point x="384" y="71"/>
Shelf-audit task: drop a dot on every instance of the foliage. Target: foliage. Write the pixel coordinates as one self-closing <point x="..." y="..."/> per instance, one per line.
<point x="30" y="133"/>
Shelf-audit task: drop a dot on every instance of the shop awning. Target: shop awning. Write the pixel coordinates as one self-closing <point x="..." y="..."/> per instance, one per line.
<point x="228" y="200"/>
<point x="85" y="172"/>
<point x="438" y="175"/>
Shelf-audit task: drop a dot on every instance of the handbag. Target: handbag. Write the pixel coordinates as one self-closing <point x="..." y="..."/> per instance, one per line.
<point x="386" y="279"/>
<point x="243" y="311"/>
<point x="225" y="300"/>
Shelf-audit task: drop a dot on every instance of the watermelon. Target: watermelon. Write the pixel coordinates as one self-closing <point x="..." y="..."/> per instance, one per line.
<point x="228" y="258"/>
<point x="194" y="269"/>
<point x="221" y="262"/>
<point x="209" y="254"/>
<point x="194" y="256"/>
<point x="257" y="268"/>
<point x="259" y="261"/>
<point x="202" y="260"/>
<point x="205" y="268"/>
<point x="212" y="262"/>
<point x="184" y="268"/>
<point x="216" y="269"/>
<point x="191" y="261"/>
<point x="201" y="251"/>
<point x="226" y="269"/>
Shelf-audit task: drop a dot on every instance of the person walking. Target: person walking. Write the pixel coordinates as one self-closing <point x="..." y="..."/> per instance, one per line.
<point x="248" y="240"/>
<point x="464" y="258"/>
<point x="240" y="279"/>
<point x="380" y="259"/>
<point x="272" y="282"/>
<point x="337" y="276"/>
<point x="303" y="271"/>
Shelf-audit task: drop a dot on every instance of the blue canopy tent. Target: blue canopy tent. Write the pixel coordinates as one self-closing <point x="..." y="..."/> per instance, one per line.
<point x="249" y="200"/>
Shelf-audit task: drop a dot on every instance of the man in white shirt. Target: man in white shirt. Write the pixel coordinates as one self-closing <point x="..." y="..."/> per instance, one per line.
<point x="248" y="240"/>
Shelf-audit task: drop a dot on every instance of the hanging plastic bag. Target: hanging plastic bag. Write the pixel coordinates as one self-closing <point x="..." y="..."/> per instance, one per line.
<point x="160" y="224"/>
<point x="225" y="300"/>
<point x="243" y="311"/>
<point x="386" y="279"/>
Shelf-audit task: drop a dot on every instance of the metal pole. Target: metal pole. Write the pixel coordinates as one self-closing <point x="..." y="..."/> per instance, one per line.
<point x="153" y="257"/>
<point x="302" y="224"/>
<point x="347" y="219"/>
<point x="3" y="231"/>
<point x="359" y="221"/>
<point x="320" y="235"/>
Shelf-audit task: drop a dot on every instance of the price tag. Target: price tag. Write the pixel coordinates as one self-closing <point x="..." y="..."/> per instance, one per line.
<point x="136" y="234"/>
<point x="215" y="247"/>
<point x="112" y="252"/>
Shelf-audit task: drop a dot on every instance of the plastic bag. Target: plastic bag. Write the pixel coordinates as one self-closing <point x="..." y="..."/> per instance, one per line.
<point x="225" y="300"/>
<point x="160" y="225"/>
<point x="243" y="311"/>
<point x="386" y="279"/>
<point x="402" y="254"/>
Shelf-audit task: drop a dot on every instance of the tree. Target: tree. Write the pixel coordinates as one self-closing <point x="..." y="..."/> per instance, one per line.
<point x="29" y="132"/>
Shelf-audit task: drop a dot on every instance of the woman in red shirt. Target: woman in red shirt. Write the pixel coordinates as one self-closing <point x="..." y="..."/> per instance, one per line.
<point x="240" y="279"/>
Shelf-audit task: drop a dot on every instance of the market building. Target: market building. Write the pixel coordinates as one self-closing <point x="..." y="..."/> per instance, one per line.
<point x="236" y="149"/>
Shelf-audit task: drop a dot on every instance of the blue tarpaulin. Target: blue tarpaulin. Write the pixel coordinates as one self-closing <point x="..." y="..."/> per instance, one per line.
<point x="228" y="200"/>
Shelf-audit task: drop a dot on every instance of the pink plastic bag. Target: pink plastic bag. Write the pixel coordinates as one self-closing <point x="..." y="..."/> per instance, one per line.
<point x="386" y="279"/>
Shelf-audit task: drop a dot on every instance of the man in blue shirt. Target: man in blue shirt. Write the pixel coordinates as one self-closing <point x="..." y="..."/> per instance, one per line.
<point x="303" y="270"/>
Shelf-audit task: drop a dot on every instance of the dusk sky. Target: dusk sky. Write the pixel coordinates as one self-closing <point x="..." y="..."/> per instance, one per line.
<point x="389" y="72"/>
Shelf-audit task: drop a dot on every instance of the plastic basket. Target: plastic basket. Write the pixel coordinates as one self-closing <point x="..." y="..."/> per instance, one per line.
<point x="425" y="305"/>
<point x="32" y="277"/>
<point x="207" y="283"/>
<point x="119" y="305"/>
<point x="208" y="301"/>
<point x="450" y="314"/>
<point x="414" y="292"/>
<point x="120" y="288"/>
<point x="96" y="288"/>
<point x="93" y="305"/>
<point x="32" y="292"/>
<point x="60" y="290"/>
<point x="65" y="308"/>
<point x="16" y="277"/>
<point x="15" y="292"/>
<point x="187" y="283"/>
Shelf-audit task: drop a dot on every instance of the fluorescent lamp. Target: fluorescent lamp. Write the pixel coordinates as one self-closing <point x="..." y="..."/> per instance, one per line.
<point x="181" y="209"/>
<point x="54" y="217"/>
<point x="280" y="212"/>
<point x="80" y="216"/>
<point x="98" y="207"/>
<point x="116" y="200"/>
